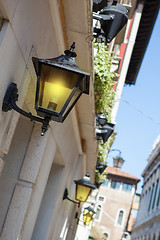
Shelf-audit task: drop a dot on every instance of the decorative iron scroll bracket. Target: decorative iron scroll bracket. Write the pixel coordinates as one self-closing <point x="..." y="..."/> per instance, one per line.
<point x="9" y="103"/>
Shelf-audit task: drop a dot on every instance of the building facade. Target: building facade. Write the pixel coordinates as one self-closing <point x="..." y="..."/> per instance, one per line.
<point x="35" y="170"/>
<point x="147" y="224"/>
<point x="114" y="203"/>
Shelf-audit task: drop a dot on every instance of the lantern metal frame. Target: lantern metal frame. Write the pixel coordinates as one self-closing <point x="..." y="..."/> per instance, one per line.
<point x="85" y="181"/>
<point x="101" y="167"/>
<point x="64" y="62"/>
<point x="9" y="103"/>
<point x="103" y="133"/>
<point x="112" y="18"/>
<point x="91" y="212"/>
<point x="65" y="196"/>
<point x="118" y="157"/>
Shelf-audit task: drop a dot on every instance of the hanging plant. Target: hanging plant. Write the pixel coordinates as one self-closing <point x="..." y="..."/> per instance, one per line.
<point x="104" y="83"/>
<point x="104" y="96"/>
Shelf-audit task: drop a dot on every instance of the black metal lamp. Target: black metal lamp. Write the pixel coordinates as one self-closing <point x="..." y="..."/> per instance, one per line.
<point x="83" y="190"/>
<point x="88" y="215"/>
<point x="112" y="17"/>
<point x="101" y="167"/>
<point x="103" y="133"/>
<point x="101" y="119"/>
<point x="60" y="83"/>
<point x="118" y="160"/>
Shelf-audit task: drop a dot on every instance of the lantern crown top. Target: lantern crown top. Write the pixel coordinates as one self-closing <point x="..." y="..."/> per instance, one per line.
<point x="85" y="181"/>
<point x="65" y="61"/>
<point x="90" y="209"/>
<point x="71" y="52"/>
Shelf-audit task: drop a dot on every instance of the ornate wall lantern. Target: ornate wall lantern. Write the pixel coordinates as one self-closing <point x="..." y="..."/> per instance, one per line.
<point x="83" y="190"/>
<point x="118" y="160"/>
<point x="101" y="120"/>
<point x="104" y="129"/>
<point x="88" y="215"/>
<point x="112" y="18"/>
<point x="103" y="133"/>
<point x="60" y="83"/>
<point x="101" y="167"/>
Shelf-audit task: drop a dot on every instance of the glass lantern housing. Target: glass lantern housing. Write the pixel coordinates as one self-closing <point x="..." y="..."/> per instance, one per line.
<point x="60" y="83"/>
<point x="88" y="215"/>
<point x="118" y="162"/>
<point x="83" y="188"/>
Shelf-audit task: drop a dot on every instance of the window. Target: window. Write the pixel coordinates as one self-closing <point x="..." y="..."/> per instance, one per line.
<point x="101" y="198"/>
<point x="120" y="217"/>
<point x="126" y="187"/>
<point x="151" y="198"/>
<point x="155" y="194"/>
<point x="105" y="183"/>
<point x="158" y="199"/>
<point x="98" y="212"/>
<point x="115" y="184"/>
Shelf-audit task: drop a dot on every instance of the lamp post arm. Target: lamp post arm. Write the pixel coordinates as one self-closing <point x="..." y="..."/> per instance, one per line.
<point x="73" y="201"/>
<point x="113" y="150"/>
<point x="9" y="103"/>
<point x="65" y="196"/>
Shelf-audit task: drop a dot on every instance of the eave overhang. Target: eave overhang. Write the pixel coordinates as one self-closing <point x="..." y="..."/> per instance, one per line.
<point x="149" y="15"/>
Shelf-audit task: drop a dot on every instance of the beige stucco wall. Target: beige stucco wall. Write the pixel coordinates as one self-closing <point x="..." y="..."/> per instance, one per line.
<point x="35" y="170"/>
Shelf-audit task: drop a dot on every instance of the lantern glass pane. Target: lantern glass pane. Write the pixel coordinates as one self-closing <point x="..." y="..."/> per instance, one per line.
<point x="56" y="85"/>
<point x="82" y="193"/>
<point x="87" y="219"/>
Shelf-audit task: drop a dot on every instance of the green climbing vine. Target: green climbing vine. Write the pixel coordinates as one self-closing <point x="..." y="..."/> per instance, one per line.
<point x="104" y="96"/>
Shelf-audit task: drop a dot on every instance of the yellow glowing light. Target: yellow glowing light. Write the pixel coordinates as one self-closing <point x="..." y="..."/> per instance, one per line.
<point x="54" y="95"/>
<point x="82" y="193"/>
<point x="87" y="219"/>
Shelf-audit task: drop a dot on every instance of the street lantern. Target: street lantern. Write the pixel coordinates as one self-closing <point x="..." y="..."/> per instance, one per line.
<point x="101" y="167"/>
<point x="83" y="190"/>
<point x="101" y="119"/>
<point x="60" y="83"/>
<point x="112" y="18"/>
<point x="104" y="132"/>
<point x="118" y="162"/>
<point x="88" y="215"/>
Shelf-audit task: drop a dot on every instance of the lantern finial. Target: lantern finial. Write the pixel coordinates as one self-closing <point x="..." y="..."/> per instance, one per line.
<point x="71" y="52"/>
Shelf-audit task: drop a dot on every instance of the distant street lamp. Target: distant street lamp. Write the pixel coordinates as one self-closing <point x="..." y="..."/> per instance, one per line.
<point x="118" y="160"/>
<point x="83" y="190"/>
<point x="112" y="18"/>
<point x="101" y="167"/>
<point x="88" y="215"/>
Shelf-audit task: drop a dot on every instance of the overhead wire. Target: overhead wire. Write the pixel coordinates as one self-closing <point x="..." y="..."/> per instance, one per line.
<point x="141" y="111"/>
